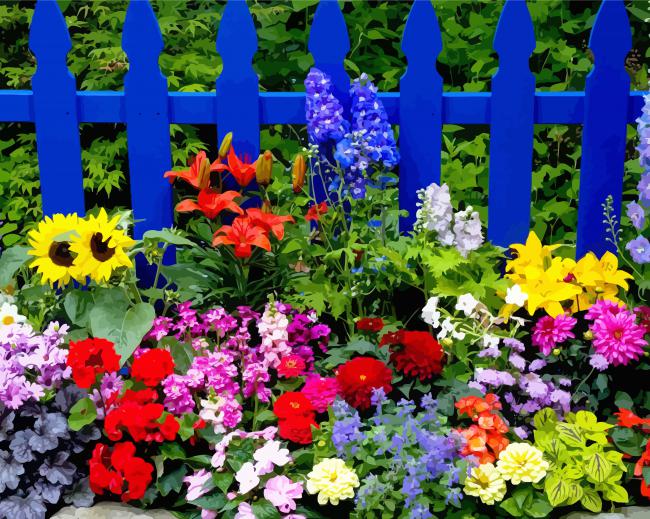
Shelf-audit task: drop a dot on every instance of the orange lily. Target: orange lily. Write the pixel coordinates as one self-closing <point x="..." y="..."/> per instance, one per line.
<point x="242" y="234"/>
<point x="242" y="171"/>
<point x="211" y="203"/>
<point x="315" y="211"/>
<point x="199" y="173"/>
<point x="269" y="222"/>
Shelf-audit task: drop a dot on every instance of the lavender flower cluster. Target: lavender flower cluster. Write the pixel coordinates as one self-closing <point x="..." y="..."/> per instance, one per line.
<point x="30" y="363"/>
<point x="42" y="462"/>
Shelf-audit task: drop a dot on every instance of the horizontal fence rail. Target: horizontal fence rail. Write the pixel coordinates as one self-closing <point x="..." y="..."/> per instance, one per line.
<point x="420" y="109"/>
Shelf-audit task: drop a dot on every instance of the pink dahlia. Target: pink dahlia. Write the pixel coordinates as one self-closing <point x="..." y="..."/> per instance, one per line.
<point x="321" y="391"/>
<point x="549" y="331"/>
<point x="618" y="337"/>
<point x="602" y="307"/>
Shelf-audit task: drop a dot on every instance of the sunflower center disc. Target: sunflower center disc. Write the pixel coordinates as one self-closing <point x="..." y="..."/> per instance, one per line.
<point x="100" y="249"/>
<point x="60" y="254"/>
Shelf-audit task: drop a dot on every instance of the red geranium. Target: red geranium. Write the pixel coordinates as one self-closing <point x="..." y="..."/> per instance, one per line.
<point x="370" y="324"/>
<point x="119" y="471"/>
<point x="358" y="377"/>
<point x="416" y="354"/>
<point x="91" y="357"/>
<point x="152" y="366"/>
<point x="297" y="429"/>
<point x="291" y="366"/>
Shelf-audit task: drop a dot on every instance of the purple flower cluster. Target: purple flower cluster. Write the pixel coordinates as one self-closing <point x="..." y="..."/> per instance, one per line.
<point x="324" y="111"/>
<point x="30" y="363"/>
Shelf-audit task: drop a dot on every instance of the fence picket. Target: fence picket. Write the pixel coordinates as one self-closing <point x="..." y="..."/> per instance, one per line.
<point x="511" y="131"/>
<point x="55" y="113"/>
<point x="603" y="139"/>
<point x="237" y="85"/>
<point x="420" y="108"/>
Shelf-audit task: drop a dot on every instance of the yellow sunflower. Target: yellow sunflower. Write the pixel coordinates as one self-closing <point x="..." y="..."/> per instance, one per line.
<point x="100" y="246"/>
<point x="50" y="243"/>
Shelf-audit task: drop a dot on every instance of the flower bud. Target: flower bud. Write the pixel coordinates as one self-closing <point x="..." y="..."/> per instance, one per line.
<point x="321" y="443"/>
<point x="556" y="351"/>
<point x="204" y="174"/>
<point x="447" y="342"/>
<point x="267" y="207"/>
<point x="224" y="148"/>
<point x="264" y="168"/>
<point x="298" y="173"/>
<point x="589" y="335"/>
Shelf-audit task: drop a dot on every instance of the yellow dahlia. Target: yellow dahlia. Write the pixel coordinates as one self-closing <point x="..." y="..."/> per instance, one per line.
<point x="521" y="462"/>
<point x="486" y="483"/>
<point x="51" y="247"/>
<point x="332" y="480"/>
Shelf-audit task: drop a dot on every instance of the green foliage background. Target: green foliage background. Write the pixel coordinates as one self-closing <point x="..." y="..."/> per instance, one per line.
<point x="560" y="61"/>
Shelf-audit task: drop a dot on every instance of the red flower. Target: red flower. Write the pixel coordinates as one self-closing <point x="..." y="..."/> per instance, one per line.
<point x="627" y="418"/>
<point x="315" y="211"/>
<point x="297" y="429"/>
<point x="271" y="223"/>
<point x="152" y="367"/>
<point x="291" y="366"/>
<point x="91" y="357"/>
<point x="292" y="404"/>
<point x="199" y="173"/>
<point x="243" y="234"/>
<point x="211" y="203"/>
<point x="370" y="324"/>
<point x="242" y="171"/>
<point x="119" y="471"/>
<point x="358" y="377"/>
<point x="643" y="313"/>
<point x="416" y="354"/>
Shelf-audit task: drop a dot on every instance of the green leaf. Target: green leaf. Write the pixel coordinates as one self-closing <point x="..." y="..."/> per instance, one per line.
<point x="82" y="413"/>
<point x="171" y="236"/>
<point x="263" y="509"/>
<point x="126" y="330"/>
<point x="570" y="434"/>
<point x="646" y="475"/>
<point x="623" y="400"/>
<point x="212" y="502"/>
<point x="540" y="508"/>
<point x="10" y="261"/>
<point x="78" y="304"/>
<point x="557" y="490"/>
<point x="591" y="500"/>
<point x="545" y="419"/>
<point x="172" y="451"/>
<point x="615" y="493"/>
<point x="597" y="467"/>
<point x="171" y="481"/>
<point x="223" y="480"/>
<point x="510" y="505"/>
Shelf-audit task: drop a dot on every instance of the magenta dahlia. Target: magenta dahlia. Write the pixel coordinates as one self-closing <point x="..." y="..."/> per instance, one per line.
<point x="618" y="337"/>
<point x="549" y="332"/>
<point x="602" y="307"/>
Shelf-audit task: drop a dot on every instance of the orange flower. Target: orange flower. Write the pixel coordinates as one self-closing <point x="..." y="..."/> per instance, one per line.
<point x="211" y="203"/>
<point x="473" y="406"/>
<point x="242" y="171"/>
<point x="627" y="418"/>
<point x="315" y="211"/>
<point x="199" y="173"/>
<point x="269" y="222"/>
<point x="242" y="234"/>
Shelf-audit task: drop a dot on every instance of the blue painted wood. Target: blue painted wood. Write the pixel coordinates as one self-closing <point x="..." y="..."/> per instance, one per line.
<point x="511" y="131"/>
<point x="54" y="108"/>
<point x="147" y="124"/>
<point x="237" y="85"/>
<point x="603" y="138"/>
<point x="420" y="108"/>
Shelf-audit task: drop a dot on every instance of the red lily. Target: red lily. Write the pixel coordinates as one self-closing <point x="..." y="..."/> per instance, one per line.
<point x="242" y="171"/>
<point x="269" y="222"/>
<point x="243" y="233"/>
<point x="211" y="203"/>
<point x="199" y="173"/>
<point x="315" y="211"/>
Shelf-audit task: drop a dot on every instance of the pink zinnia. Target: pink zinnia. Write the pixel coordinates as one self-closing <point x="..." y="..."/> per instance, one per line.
<point x="321" y="391"/>
<point x="549" y="332"/>
<point x="618" y="337"/>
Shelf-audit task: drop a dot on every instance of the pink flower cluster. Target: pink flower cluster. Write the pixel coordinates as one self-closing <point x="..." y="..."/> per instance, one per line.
<point x="549" y="332"/>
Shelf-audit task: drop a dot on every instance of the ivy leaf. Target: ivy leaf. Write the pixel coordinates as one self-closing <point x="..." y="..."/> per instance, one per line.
<point x="82" y="413"/>
<point x="591" y="500"/>
<point x="597" y="467"/>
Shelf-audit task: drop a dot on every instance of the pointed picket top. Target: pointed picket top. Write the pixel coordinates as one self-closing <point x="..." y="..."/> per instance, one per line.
<point x="515" y="33"/>
<point x="49" y="38"/>
<point x="141" y="37"/>
<point x="422" y="39"/>
<point x="611" y="36"/>
<point x="236" y="38"/>
<point x="329" y="44"/>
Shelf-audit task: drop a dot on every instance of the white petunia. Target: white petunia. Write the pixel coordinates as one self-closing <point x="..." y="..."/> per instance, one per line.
<point x="466" y="304"/>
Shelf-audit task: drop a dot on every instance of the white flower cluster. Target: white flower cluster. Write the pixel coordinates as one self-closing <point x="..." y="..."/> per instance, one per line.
<point x="435" y="213"/>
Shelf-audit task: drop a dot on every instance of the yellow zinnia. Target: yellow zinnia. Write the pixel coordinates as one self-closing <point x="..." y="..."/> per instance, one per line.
<point x="486" y="483"/>
<point x="100" y="246"/>
<point x="332" y="480"/>
<point x="51" y="247"/>
<point x="521" y="462"/>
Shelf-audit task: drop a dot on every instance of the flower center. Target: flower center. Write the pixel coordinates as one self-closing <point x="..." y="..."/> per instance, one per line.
<point x="8" y="319"/>
<point x="618" y="334"/>
<point x="60" y="255"/>
<point x="95" y="360"/>
<point x="362" y="378"/>
<point x="333" y="476"/>
<point x="100" y="249"/>
<point x="295" y="405"/>
<point x="291" y="364"/>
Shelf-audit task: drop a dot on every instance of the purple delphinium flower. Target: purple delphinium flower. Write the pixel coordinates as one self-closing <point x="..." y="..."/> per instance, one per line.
<point x="323" y="110"/>
<point x="639" y="249"/>
<point x="636" y="214"/>
<point x="644" y="189"/>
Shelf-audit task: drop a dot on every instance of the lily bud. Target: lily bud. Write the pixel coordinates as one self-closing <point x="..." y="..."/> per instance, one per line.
<point x="264" y="168"/>
<point x="204" y="174"/>
<point x="224" y="148"/>
<point x="267" y="207"/>
<point x="589" y="335"/>
<point x="298" y="173"/>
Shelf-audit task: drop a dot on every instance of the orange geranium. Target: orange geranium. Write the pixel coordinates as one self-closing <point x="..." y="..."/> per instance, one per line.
<point x="272" y="223"/>
<point x="242" y="171"/>
<point x="198" y="176"/>
<point x="315" y="211"/>
<point x="211" y="203"/>
<point x="243" y="234"/>
<point x="485" y="437"/>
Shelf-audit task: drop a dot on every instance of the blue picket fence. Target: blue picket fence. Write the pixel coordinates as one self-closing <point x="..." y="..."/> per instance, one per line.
<point x="420" y="109"/>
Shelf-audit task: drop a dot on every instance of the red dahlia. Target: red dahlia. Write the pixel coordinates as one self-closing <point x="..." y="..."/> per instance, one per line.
<point x="91" y="357"/>
<point x="370" y="324"/>
<point x="416" y="354"/>
<point x="152" y="367"/>
<point x="358" y="377"/>
<point x="119" y="471"/>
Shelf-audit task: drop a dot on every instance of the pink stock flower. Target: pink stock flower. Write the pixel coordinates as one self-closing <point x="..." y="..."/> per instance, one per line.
<point x="321" y="391"/>
<point x="549" y="332"/>
<point x="282" y="492"/>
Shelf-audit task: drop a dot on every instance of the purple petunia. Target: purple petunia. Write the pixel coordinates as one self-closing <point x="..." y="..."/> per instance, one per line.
<point x="639" y="249"/>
